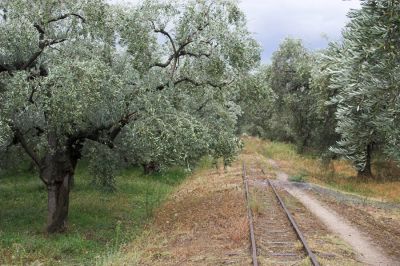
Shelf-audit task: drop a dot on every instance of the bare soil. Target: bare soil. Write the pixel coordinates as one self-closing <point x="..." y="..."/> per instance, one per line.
<point x="369" y="248"/>
<point x="329" y="248"/>
<point x="382" y="225"/>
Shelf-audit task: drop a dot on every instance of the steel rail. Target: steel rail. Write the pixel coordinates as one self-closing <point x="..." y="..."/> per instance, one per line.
<point x="250" y="218"/>
<point x="310" y="254"/>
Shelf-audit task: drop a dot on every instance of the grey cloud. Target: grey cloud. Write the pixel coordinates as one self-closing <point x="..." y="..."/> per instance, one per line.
<point x="273" y="20"/>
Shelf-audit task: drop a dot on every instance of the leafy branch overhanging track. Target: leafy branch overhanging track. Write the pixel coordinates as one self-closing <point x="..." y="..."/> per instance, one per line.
<point x="273" y="233"/>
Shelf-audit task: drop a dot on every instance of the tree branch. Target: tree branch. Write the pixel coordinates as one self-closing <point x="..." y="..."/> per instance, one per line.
<point x="31" y="60"/>
<point x="165" y="33"/>
<point x="111" y="131"/>
<point x="177" y="53"/>
<point x="56" y="41"/>
<point x="39" y="28"/>
<point x="61" y="17"/>
<point x="19" y="137"/>
<point x="195" y="83"/>
<point x="171" y="40"/>
<point x="42" y="44"/>
<point x="120" y="125"/>
<point x="203" y="105"/>
<point x="183" y="53"/>
<point x="163" y="65"/>
<point x="30" y="99"/>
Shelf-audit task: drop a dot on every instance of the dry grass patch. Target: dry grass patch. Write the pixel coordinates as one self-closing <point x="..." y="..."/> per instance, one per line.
<point x="203" y="223"/>
<point x="239" y="230"/>
<point x="256" y="202"/>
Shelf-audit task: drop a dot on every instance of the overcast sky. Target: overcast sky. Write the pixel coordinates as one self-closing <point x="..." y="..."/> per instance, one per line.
<point x="310" y="20"/>
<point x="313" y="21"/>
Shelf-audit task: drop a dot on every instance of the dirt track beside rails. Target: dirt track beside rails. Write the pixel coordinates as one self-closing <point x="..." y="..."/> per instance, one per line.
<point x="368" y="252"/>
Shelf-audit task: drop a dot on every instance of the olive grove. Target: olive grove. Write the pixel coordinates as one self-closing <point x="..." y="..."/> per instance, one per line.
<point x="343" y="100"/>
<point x="156" y="84"/>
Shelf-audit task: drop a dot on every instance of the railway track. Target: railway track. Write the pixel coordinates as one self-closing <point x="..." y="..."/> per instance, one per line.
<point x="275" y="237"/>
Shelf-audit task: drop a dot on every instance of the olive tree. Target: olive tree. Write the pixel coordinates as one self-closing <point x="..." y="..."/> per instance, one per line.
<point x="322" y="91"/>
<point x="256" y="99"/>
<point x="294" y="112"/>
<point x="79" y="71"/>
<point x="365" y="74"/>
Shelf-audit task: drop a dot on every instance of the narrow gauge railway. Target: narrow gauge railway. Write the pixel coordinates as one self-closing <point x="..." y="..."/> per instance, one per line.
<point x="275" y="237"/>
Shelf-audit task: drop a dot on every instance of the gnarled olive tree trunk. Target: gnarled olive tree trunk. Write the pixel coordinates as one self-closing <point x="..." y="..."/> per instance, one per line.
<point x="58" y="171"/>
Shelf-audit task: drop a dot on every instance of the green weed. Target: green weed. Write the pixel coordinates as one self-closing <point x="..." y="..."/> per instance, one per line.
<point x="301" y="177"/>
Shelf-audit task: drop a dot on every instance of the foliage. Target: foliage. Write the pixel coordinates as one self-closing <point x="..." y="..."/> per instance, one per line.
<point x="103" y="173"/>
<point x="343" y="100"/>
<point x="287" y="104"/>
<point x="365" y="74"/>
<point x="155" y="82"/>
<point x="301" y="177"/>
<point x="324" y="132"/>
<point x="256" y="100"/>
<point x="91" y="92"/>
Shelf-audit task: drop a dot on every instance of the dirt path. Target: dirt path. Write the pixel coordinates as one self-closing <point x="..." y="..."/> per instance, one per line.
<point x="368" y="252"/>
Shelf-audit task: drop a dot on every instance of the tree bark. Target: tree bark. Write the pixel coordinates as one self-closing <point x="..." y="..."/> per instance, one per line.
<point x="58" y="203"/>
<point x="366" y="172"/>
<point x="58" y="171"/>
<point x="151" y="167"/>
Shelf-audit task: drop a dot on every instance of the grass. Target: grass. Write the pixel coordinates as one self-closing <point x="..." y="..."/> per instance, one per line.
<point x="239" y="230"/>
<point x="301" y="177"/>
<point x="338" y="174"/>
<point x="256" y="202"/>
<point x="99" y="223"/>
<point x="203" y="222"/>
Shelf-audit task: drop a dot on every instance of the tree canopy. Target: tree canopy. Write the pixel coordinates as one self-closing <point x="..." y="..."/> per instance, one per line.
<point x="365" y="75"/>
<point x="156" y="82"/>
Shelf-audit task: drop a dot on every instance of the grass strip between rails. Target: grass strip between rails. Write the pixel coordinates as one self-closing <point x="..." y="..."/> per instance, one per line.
<point x="99" y="222"/>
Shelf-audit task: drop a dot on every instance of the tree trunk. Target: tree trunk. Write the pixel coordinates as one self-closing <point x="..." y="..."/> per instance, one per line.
<point x="151" y="167"/>
<point x="58" y="171"/>
<point x="366" y="173"/>
<point x="58" y="203"/>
